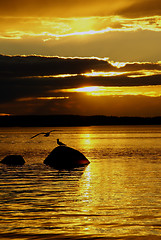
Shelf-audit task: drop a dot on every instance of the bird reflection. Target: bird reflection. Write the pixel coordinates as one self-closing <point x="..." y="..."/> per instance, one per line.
<point x="60" y="143"/>
<point x="46" y="134"/>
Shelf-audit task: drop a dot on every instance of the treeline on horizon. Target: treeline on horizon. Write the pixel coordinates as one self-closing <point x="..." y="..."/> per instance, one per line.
<point x="74" y="120"/>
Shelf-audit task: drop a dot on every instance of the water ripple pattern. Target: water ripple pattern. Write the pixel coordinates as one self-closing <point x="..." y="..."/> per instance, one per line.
<point x="117" y="196"/>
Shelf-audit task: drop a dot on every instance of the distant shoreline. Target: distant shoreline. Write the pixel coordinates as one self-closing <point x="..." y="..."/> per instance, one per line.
<point x="74" y="120"/>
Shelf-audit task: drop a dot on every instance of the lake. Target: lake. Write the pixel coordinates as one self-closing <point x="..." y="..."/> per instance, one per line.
<point x="117" y="196"/>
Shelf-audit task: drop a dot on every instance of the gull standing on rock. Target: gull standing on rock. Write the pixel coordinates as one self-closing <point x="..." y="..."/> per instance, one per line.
<point x="60" y="143"/>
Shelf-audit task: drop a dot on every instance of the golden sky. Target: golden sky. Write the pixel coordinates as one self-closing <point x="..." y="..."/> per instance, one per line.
<point x="117" y="46"/>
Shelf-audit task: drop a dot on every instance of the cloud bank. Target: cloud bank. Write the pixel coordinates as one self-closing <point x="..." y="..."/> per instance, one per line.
<point x="33" y="79"/>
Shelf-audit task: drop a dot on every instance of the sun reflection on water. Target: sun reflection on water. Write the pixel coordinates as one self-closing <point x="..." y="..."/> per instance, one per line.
<point x="116" y="195"/>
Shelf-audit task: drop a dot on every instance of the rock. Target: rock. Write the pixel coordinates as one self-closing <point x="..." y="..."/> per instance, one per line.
<point x="66" y="157"/>
<point x="13" y="160"/>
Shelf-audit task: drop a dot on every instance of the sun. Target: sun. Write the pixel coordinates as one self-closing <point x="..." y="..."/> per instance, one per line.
<point x="98" y="91"/>
<point x="90" y="90"/>
<point x="87" y="89"/>
<point x="82" y="24"/>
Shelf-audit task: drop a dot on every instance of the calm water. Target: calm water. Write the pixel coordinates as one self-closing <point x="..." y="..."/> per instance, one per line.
<point x="117" y="196"/>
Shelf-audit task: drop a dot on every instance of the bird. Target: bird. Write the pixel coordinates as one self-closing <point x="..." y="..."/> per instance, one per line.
<point x="60" y="143"/>
<point x="46" y="134"/>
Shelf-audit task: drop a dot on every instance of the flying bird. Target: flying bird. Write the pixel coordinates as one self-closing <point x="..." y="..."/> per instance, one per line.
<point x="60" y="143"/>
<point x="46" y="134"/>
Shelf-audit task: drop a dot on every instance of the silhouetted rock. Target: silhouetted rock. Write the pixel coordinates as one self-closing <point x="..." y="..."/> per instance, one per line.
<point x="66" y="157"/>
<point x="13" y="160"/>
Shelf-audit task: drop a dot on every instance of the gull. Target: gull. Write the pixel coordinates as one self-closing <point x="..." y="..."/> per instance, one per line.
<point x="46" y="134"/>
<point x="60" y="143"/>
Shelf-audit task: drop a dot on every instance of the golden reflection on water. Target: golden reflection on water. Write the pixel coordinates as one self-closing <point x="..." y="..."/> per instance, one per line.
<point x="117" y="194"/>
<point x="85" y="139"/>
<point x="121" y="195"/>
<point x="117" y="201"/>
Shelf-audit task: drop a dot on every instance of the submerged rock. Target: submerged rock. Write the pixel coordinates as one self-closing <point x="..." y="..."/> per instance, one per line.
<point x="13" y="160"/>
<point x="66" y="157"/>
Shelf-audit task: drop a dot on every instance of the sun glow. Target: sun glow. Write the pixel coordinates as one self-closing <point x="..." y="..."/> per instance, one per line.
<point x="143" y="73"/>
<point x="118" y="64"/>
<point x="87" y="89"/>
<point x="102" y="74"/>
<point x="40" y="98"/>
<point x="48" y="28"/>
<point x="4" y="114"/>
<point x="150" y="91"/>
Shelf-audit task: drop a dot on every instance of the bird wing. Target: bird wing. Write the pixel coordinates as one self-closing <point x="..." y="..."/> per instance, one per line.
<point x="51" y="131"/>
<point x="36" y="135"/>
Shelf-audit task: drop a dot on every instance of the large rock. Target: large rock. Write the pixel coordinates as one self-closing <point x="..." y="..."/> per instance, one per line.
<point x="66" y="157"/>
<point x="13" y="160"/>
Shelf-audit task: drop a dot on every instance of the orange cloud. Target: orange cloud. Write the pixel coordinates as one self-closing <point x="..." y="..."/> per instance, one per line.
<point x="79" y="8"/>
<point x="47" y="28"/>
<point x="63" y="8"/>
<point x="57" y="19"/>
<point x="142" y="8"/>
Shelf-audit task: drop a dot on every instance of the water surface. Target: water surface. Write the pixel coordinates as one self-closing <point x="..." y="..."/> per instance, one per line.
<point x="117" y="196"/>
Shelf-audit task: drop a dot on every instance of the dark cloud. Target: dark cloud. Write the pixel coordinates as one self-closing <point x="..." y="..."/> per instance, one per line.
<point x="85" y="105"/>
<point x="124" y="80"/>
<point x="141" y="66"/>
<point x="141" y="8"/>
<point x="13" y="89"/>
<point x="41" y="66"/>
<point x="23" y="78"/>
<point x="25" y="66"/>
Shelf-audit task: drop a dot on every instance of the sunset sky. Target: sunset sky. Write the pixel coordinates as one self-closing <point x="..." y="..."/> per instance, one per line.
<point x="81" y="57"/>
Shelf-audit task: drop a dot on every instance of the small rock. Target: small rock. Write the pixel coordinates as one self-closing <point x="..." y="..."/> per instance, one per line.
<point x="13" y="160"/>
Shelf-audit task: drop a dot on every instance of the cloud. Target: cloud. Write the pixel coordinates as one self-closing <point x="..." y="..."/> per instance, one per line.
<point x="63" y="8"/>
<point x="42" y="66"/>
<point x="85" y="105"/>
<point x="79" y="8"/>
<point x="136" y="66"/>
<point x="32" y="65"/>
<point x="30" y="76"/>
<point x="57" y="19"/>
<point x="27" y="87"/>
<point x="142" y="8"/>
<point x="48" y="28"/>
<point x="135" y="46"/>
